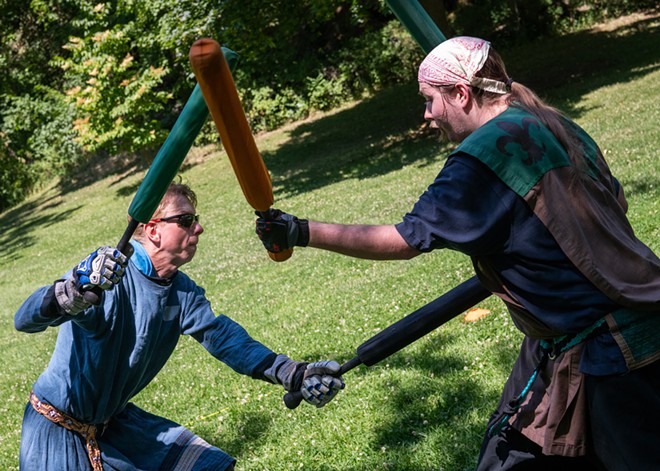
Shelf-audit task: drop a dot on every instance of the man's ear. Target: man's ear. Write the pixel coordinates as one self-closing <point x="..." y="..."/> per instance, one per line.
<point x="151" y="232"/>
<point x="463" y="94"/>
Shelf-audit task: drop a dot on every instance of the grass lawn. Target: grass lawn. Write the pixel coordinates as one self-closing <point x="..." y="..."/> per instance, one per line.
<point x="423" y="408"/>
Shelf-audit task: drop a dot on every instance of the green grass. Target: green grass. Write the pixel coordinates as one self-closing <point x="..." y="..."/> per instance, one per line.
<point x="421" y="409"/>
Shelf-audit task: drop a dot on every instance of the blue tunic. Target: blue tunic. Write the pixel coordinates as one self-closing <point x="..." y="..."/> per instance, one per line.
<point x="107" y="354"/>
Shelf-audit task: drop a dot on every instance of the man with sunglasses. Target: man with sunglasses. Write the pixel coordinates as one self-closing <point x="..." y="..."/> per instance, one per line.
<point x="79" y="415"/>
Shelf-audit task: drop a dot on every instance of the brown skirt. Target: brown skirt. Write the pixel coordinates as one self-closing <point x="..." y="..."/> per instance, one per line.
<point x="554" y="414"/>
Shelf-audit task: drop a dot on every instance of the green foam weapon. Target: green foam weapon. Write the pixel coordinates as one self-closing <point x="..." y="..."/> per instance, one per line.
<point x="166" y="164"/>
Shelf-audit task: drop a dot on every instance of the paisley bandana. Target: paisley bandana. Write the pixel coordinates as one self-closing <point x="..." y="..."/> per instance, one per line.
<point x="456" y="61"/>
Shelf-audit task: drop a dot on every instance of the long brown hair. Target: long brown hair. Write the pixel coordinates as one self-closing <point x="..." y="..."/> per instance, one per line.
<point x="522" y="96"/>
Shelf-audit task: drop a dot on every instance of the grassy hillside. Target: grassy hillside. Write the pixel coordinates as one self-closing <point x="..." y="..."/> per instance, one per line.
<point x="423" y="408"/>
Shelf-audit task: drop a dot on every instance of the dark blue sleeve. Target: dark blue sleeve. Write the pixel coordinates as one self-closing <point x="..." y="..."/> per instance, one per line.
<point x="224" y="338"/>
<point x="466" y="208"/>
<point x="40" y="311"/>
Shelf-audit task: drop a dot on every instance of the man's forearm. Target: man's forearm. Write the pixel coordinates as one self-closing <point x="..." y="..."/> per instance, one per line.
<point x="374" y="242"/>
<point x="39" y="311"/>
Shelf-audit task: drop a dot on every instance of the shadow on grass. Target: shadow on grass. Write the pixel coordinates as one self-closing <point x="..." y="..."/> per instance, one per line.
<point x="119" y="167"/>
<point x="379" y="135"/>
<point x="640" y="186"/>
<point x="18" y="224"/>
<point x="384" y="133"/>
<point x="413" y="418"/>
<point x="248" y="428"/>
<point x="565" y="68"/>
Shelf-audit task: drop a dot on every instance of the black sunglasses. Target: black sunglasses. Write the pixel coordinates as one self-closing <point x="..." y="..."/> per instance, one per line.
<point x="183" y="220"/>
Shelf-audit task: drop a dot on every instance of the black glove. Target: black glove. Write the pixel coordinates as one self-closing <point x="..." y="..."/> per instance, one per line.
<point x="280" y="231"/>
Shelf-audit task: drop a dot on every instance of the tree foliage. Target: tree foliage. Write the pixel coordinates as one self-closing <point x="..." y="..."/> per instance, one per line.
<point x="83" y="78"/>
<point x="117" y="100"/>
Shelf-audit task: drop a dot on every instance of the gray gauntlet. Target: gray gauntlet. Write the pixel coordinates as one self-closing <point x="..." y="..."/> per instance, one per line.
<point x="69" y="298"/>
<point x="286" y="372"/>
<point x="317" y="382"/>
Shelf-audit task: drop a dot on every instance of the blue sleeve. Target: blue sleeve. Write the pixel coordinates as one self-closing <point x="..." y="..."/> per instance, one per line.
<point x="40" y="311"/>
<point x="224" y="338"/>
<point x="229" y="342"/>
<point x="466" y="209"/>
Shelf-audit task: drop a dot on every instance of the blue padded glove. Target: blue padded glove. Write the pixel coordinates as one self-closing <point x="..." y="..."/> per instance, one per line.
<point x="103" y="268"/>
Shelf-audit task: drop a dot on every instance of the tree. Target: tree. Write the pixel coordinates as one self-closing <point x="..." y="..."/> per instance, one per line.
<point x="92" y="77"/>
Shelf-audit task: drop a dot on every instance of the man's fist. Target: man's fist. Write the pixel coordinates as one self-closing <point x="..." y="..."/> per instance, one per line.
<point x="280" y="231"/>
<point x="103" y="268"/>
<point x="321" y="383"/>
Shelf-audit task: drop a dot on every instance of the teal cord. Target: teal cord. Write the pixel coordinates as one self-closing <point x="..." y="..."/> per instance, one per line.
<point x="550" y="351"/>
<point x="514" y="404"/>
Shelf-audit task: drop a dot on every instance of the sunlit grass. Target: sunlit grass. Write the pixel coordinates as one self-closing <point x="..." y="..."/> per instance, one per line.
<point x="423" y="408"/>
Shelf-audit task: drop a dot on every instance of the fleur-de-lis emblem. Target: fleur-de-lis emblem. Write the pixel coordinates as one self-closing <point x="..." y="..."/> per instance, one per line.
<point x="520" y="135"/>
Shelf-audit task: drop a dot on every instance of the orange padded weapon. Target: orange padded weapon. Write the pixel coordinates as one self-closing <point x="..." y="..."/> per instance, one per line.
<point x="219" y="91"/>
